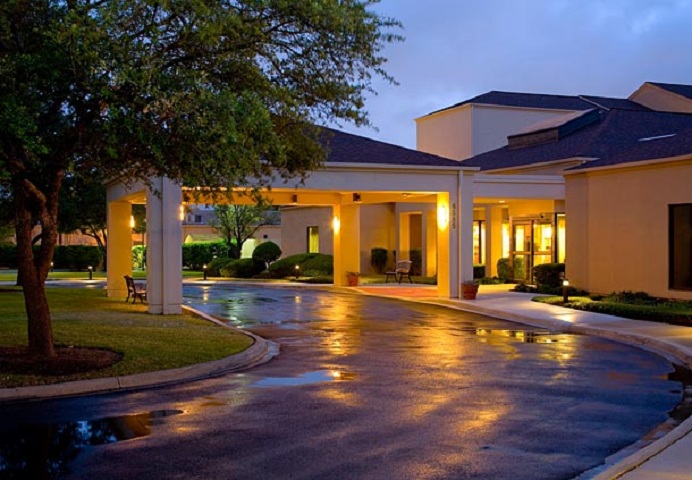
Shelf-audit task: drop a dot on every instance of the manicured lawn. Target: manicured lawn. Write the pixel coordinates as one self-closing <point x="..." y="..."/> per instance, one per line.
<point x="11" y="275"/>
<point x="629" y="305"/>
<point x="86" y="317"/>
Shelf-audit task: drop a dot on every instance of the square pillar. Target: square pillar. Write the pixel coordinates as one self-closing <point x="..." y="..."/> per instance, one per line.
<point x="346" y="229"/>
<point x="465" y="227"/>
<point x="164" y="247"/>
<point x="119" y="248"/>
<point x="429" y="243"/>
<point x="493" y="239"/>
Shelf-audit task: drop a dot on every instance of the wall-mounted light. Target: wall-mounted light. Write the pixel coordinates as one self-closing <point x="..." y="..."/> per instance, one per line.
<point x="132" y="221"/>
<point x="442" y="217"/>
<point x="356" y="198"/>
<point x="336" y="224"/>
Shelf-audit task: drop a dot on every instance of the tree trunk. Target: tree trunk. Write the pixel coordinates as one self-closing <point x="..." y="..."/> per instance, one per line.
<point x="30" y="204"/>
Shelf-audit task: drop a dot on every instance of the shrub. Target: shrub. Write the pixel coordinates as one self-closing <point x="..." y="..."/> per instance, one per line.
<point x="242" y="268"/>
<point x="8" y="256"/>
<point x="378" y="259"/>
<point x="77" y="257"/>
<point x="478" y="271"/>
<point x="417" y="261"/>
<point x="311" y="264"/>
<point x="549" y="274"/>
<point x="519" y="269"/>
<point x="266" y="253"/>
<point x="197" y="254"/>
<point x="139" y="256"/>
<point x="504" y="270"/>
<point x="214" y="267"/>
<point x="632" y="298"/>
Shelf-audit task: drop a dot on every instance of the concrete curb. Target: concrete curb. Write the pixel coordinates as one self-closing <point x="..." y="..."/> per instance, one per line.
<point x="260" y="351"/>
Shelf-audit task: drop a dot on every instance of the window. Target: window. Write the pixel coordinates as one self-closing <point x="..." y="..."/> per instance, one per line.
<point x="680" y="246"/>
<point x="313" y="240"/>
<point x="198" y="218"/>
<point x="478" y="242"/>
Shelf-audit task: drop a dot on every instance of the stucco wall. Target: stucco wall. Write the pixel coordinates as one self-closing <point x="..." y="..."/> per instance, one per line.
<point x="447" y="133"/>
<point x="492" y="125"/>
<point x="617" y="234"/>
<point x="294" y="225"/>
<point x="377" y="230"/>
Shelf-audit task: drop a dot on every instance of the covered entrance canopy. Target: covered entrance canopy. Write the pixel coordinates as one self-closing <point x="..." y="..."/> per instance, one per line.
<point x="358" y="171"/>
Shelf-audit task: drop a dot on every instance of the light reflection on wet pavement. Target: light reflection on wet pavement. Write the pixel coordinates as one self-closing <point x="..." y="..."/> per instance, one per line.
<point x="377" y="389"/>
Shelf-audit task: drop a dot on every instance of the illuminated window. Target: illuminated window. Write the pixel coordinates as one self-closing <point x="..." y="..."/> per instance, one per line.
<point x="313" y="240"/>
<point x="561" y="224"/>
<point x="505" y="239"/>
<point x="478" y="242"/>
<point x="680" y="246"/>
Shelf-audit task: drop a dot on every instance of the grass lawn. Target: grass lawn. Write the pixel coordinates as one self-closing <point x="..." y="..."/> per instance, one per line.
<point x="11" y="275"/>
<point x="629" y="305"/>
<point x="87" y="318"/>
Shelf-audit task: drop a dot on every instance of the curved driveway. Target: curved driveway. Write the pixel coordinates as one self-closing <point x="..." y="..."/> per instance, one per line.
<point x="375" y="388"/>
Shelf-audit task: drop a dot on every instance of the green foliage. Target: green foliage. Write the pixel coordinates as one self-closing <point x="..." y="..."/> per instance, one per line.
<point x="549" y="274"/>
<point x="195" y="255"/>
<point x="632" y="298"/>
<point x="311" y="265"/>
<point x="673" y="312"/>
<point x="77" y="257"/>
<point x="139" y="257"/>
<point x="214" y="267"/>
<point x="242" y="268"/>
<point x="416" y="261"/>
<point x="478" y="271"/>
<point x="238" y="223"/>
<point x="266" y="253"/>
<point x="504" y="270"/>
<point x="8" y="256"/>
<point x="378" y="259"/>
<point x="519" y="269"/>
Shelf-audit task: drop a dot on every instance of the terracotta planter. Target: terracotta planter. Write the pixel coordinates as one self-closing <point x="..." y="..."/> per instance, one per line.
<point x="352" y="280"/>
<point x="469" y="291"/>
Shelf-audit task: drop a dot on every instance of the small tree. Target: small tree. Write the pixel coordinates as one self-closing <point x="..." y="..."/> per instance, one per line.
<point x="266" y="253"/>
<point x="237" y="224"/>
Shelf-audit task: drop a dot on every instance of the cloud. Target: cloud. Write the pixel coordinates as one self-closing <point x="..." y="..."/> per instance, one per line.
<point x="455" y="50"/>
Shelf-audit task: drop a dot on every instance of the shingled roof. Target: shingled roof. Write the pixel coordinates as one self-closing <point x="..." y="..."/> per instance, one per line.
<point x="544" y="101"/>
<point x="683" y="90"/>
<point x="349" y="148"/>
<point x="608" y="139"/>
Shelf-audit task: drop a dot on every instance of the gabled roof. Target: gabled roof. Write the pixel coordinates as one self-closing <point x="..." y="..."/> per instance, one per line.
<point x="349" y="148"/>
<point x="683" y="90"/>
<point x="544" y="101"/>
<point x="615" y="133"/>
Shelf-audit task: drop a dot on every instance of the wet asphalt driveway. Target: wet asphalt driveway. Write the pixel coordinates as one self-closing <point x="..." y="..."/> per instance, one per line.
<point x="366" y="388"/>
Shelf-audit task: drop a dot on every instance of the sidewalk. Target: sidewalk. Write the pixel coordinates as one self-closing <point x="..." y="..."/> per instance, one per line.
<point x="667" y="458"/>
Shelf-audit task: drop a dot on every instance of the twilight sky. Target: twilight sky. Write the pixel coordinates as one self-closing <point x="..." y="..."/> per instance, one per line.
<point x="457" y="49"/>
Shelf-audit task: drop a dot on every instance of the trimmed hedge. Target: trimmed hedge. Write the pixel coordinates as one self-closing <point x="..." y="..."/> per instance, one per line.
<point x="65" y="257"/>
<point x="416" y="261"/>
<point x="378" y="259"/>
<point x="504" y="270"/>
<point x="242" y="268"/>
<point x="197" y="254"/>
<point x="266" y="253"/>
<point x="549" y="274"/>
<point x="311" y="265"/>
<point x="214" y="267"/>
<point x="478" y="271"/>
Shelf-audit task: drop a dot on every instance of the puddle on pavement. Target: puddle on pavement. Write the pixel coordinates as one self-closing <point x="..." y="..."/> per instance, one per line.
<point x="525" y="336"/>
<point x="305" y="379"/>
<point x="45" y="450"/>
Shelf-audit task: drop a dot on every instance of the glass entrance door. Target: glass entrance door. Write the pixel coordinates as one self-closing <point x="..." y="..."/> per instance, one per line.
<point x="532" y="244"/>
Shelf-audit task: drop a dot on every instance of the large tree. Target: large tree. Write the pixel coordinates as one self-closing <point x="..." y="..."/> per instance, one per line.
<point x="212" y="92"/>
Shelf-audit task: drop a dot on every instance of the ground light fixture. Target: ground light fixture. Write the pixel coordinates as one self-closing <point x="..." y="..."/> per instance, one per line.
<point x="565" y="284"/>
<point x="204" y="269"/>
<point x="91" y="272"/>
<point x="297" y="271"/>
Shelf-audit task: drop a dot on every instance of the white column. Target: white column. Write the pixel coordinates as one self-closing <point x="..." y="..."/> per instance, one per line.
<point x="119" y="247"/>
<point x="493" y="239"/>
<point x="164" y="249"/>
<point x="429" y="243"/>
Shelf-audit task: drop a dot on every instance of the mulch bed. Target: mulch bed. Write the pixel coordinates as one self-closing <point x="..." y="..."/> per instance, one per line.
<point x="67" y="361"/>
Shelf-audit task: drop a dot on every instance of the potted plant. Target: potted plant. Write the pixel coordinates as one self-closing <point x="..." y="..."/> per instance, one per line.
<point x="469" y="289"/>
<point x="352" y="278"/>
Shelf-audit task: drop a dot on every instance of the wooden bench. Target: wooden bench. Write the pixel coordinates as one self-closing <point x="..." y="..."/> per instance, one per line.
<point x="403" y="269"/>
<point x="135" y="290"/>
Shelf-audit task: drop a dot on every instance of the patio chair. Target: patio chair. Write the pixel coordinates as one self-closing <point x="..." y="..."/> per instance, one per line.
<point x="403" y="268"/>
<point x="135" y="290"/>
